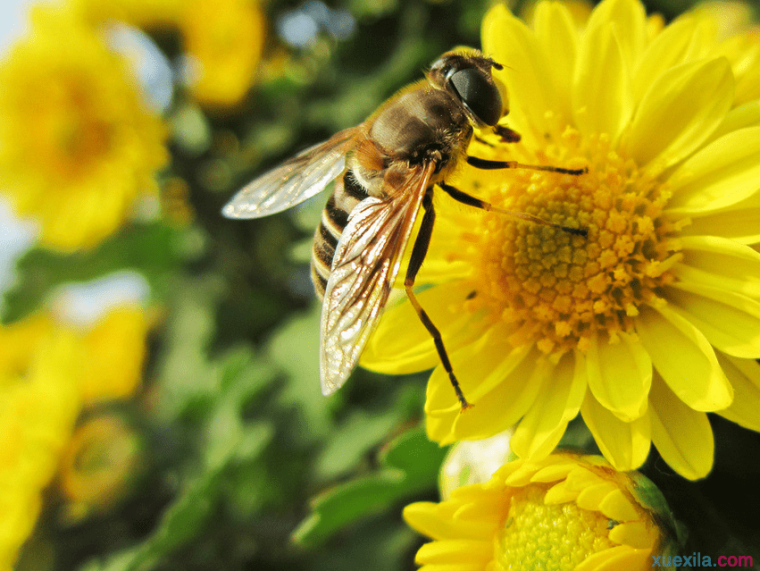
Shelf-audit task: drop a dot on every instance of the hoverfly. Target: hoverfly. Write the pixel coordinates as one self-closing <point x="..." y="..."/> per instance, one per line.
<point x="387" y="169"/>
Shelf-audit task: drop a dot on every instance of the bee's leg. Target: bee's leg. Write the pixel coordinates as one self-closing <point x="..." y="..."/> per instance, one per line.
<point x="465" y="198"/>
<point x="485" y="164"/>
<point x="419" y="251"/>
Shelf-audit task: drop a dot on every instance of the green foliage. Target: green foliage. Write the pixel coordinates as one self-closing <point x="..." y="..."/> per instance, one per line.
<point x="409" y="466"/>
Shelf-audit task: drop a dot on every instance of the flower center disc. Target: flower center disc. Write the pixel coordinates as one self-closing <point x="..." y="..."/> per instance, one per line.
<point x="556" y="288"/>
<point x="548" y="537"/>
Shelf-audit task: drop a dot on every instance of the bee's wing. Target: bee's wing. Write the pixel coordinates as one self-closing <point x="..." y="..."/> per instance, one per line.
<point x="295" y="180"/>
<point x="364" y="268"/>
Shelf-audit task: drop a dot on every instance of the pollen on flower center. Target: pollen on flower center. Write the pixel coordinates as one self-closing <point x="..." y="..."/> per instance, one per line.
<point x="554" y="537"/>
<point x="556" y="288"/>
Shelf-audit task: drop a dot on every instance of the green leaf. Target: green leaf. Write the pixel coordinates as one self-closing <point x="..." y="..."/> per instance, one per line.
<point x="295" y="349"/>
<point x="180" y="523"/>
<point x="187" y="376"/>
<point x="376" y="535"/>
<point x="229" y="439"/>
<point x="409" y="466"/>
<point x="355" y="436"/>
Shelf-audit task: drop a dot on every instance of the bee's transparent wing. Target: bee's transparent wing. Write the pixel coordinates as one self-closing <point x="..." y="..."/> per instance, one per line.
<point x="364" y="268"/>
<point x="297" y="179"/>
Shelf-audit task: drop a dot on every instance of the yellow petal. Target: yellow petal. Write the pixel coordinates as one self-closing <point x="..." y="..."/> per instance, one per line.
<point x="636" y="534"/>
<point x="555" y="29"/>
<point x="619" y="375"/>
<point x="744" y="375"/>
<point x="544" y="424"/>
<point x="451" y="567"/>
<point x="618" y="558"/>
<point x="720" y="263"/>
<point x="624" y="444"/>
<point x="402" y="345"/>
<point x="684" y="358"/>
<point x="743" y="51"/>
<point x="617" y="505"/>
<point x="719" y="175"/>
<point x="729" y="321"/>
<point x="745" y="115"/>
<point x="474" y="365"/>
<point x="681" y="41"/>
<point x="601" y="96"/>
<point x="553" y="473"/>
<point x="438" y="428"/>
<point x="510" y="42"/>
<point x="683" y="436"/>
<point x="456" y="551"/>
<point x="628" y="18"/>
<point x="422" y="517"/>
<point x="591" y="498"/>
<point x="738" y="223"/>
<point x="515" y="383"/>
<point x="560" y="494"/>
<point x="680" y="110"/>
<point x="521" y="476"/>
<point x="426" y="518"/>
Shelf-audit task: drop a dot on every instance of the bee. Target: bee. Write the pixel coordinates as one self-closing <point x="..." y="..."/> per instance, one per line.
<point x="387" y="169"/>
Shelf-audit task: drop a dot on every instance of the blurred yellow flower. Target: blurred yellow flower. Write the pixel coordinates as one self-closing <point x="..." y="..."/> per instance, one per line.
<point x="39" y="403"/>
<point x="654" y="318"/>
<point x="115" y="351"/>
<point x="98" y="466"/>
<point x="48" y="373"/>
<point x="224" y="43"/>
<point x="146" y="14"/>
<point x="78" y="143"/>
<point x="222" y="40"/>
<point x="563" y="513"/>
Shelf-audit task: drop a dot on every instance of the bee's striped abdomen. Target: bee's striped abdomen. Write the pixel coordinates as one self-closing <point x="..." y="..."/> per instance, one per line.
<point x="348" y="193"/>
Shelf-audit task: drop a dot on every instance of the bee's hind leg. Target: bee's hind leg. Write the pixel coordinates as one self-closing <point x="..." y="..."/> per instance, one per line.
<point x="419" y="251"/>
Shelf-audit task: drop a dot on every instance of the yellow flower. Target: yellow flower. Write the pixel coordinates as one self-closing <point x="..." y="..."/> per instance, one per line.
<point x="99" y="465"/>
<point x="223" y="40"/>
<point x="146" y="14"/>
<point x="115" y="351"/>
<point x="563" y="513"/>
<point x="654" y="318"/>
<point x="224" y="44"/>
<point x="77" y="142"/>
<point x="39" y="403"/>
<point x="48" y="373"/>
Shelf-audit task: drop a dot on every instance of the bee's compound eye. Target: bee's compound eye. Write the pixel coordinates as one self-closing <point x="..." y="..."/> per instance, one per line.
<point x="479" y="94"/>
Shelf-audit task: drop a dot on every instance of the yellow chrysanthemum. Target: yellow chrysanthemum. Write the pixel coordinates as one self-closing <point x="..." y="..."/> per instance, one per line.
<point x="48" y="373"/>
<point x="146" y="14"/>
<point x="78" y="143"/>
<point x="115" y="350"/>
<point x="563" y="513"/>
<point x="39" y="403"/>
<point x="224" y="44"/>
<point x="99" y="465"/>
<point x="223" y="40"/>
<point x="651" y="320"/>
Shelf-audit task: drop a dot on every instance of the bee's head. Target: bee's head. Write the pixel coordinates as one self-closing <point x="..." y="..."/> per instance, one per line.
<point x="466" y="75"/>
